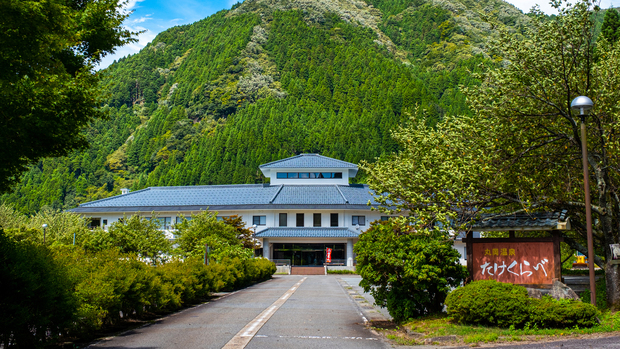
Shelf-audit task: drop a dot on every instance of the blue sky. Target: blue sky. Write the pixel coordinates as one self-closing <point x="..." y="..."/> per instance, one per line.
<point x="155" y="16"/>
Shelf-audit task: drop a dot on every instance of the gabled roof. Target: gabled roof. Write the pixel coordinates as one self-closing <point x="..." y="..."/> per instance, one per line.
<point x="285" y="232"/>
<point x="523" y="221"/>
<point x="232" y="197"/>
<point x="309" y="161"/>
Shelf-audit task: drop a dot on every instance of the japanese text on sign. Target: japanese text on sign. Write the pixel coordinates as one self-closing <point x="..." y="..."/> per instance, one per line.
<point x="514" y="262"/>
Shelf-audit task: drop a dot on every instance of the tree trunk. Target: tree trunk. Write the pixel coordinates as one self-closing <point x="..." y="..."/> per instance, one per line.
<point x="612" y="279"/>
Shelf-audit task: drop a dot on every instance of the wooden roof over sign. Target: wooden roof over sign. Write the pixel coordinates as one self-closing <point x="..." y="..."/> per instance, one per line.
<point x="523" y="221"/>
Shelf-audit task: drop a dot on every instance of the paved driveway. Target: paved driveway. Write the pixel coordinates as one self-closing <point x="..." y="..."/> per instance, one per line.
<point x="286" y="312"/>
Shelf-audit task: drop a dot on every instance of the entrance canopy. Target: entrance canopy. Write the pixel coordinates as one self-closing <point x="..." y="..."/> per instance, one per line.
<point x="288" y="232"/>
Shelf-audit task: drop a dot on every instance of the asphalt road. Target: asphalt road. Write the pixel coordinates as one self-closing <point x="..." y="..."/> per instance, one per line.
<point x="286" y="312"/>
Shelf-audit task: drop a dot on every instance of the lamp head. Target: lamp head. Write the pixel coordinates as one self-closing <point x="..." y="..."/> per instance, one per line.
<point x="582" y="103"/>
<point x="44" y="226"/>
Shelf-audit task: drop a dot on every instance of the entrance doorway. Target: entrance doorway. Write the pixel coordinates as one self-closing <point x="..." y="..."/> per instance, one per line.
<point x="307" y="254"/>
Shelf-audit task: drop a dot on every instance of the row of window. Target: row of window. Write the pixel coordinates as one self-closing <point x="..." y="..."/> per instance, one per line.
<point x="316" y="220"/>
<point x="166" y="222"/>
<point x="308" y="175"/>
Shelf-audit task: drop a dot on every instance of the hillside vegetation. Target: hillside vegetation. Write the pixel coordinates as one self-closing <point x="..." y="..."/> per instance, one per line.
<point x="206" y="103"/>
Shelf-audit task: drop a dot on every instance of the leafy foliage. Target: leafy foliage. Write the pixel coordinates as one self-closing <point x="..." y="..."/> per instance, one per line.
<point x="407" y="272"/>
<point x="488" y="302"/>
<point x="204" y="229"/>
<point x="67" y="291"/>
<point x="49" y="90"/>
<point x="135" y="234"/>
<point x="518" y="151"/>
<point x="207" y="103"/>
<point x="34" y="298"/>
<point x="611" y="25"/>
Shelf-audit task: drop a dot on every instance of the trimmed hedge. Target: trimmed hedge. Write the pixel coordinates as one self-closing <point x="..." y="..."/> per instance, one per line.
<point x="492" y="303"/>
<point x="67" y="291"/>
<point x="488" y="302"/>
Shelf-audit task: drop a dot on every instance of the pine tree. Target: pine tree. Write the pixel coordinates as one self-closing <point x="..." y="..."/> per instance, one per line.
<point x="611" y="25"/>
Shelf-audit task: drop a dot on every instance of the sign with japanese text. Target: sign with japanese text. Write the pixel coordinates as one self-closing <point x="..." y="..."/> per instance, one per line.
<point x="514" y="262"/>
<point x="328" y="255"/>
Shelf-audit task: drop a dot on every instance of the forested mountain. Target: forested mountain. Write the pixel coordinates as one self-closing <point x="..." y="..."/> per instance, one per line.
<point x="206" y="103"/>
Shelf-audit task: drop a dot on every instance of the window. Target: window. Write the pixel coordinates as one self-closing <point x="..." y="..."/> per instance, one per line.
<point x="300" y="220"/>
<point x="316" y="220"/>
<point x="333" y="219"/>
<point x="105" y="222"/>
<point x="94" y="222"/>
<point x="385" y="218"/>
<point x="259" y="220"/>
<point x="361" y="220"/>
<point x="306" y="175"/>
<point x="180" y="219"/>
<point x="163" y="223"/>
<point x="283" y="218"/>
<point x="221" y="218"/>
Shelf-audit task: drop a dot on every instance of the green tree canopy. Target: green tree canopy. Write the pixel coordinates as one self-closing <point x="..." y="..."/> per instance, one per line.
<point x="611" y="25"/>
<point x="521" y="151"/>
<point x="48" y="88"/>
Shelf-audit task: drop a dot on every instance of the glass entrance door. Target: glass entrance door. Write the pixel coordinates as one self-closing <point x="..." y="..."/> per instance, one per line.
<point x="307" y="254"/>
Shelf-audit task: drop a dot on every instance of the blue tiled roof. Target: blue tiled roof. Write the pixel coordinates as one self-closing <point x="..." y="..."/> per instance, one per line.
<point x="309" y="161"/>
<point x="191" y="196"/>
<point x="309" y="195"/>
<point x="308" y="233"/>
<point x="222" y="197"/>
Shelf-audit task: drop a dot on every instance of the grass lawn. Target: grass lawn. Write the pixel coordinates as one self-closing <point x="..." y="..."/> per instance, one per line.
<point x="427" y="330"/>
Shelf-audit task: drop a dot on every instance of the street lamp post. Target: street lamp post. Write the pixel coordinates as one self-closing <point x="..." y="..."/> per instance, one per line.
<point x="44" y="232"/>
<point x="583" y="104"/>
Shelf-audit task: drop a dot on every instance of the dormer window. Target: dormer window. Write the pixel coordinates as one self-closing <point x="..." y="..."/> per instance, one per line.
<point x="309" y="175"/>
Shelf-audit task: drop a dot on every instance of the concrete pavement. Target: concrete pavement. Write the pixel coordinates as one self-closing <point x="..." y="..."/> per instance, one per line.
<point x="284" y="312"/>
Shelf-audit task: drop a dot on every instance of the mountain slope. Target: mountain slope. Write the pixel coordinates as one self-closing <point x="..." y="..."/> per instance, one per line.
<point x="207" y="103"/>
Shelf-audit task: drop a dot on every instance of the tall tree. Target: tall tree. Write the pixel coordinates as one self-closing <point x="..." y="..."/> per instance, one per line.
<point x="521" y="150"/>
<point x="611" y="25"/>
<point x="48" y="86"/>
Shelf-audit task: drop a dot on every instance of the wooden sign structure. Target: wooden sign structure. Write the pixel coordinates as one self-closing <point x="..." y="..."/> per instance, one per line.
<point x="532" y="262"/>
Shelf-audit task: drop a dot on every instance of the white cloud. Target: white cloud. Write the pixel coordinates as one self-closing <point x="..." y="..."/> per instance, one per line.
<point x="131" y="4"/>
<point x="545" y="6"/>
<point x="129" y="49"/>
<point x="141" y="19"/>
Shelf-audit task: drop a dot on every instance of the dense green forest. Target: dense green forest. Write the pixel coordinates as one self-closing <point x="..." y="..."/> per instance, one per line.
<point x="206" y="103"/>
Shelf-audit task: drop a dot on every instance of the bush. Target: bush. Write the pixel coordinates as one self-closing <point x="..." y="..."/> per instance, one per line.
<point x="36" y="302"/>
<point x="488" y="302"/>
<point x="408" y="273"/>
<point x="601" y="293"/>
<point x="550" y="313"/>
<point x="492" y="303"/>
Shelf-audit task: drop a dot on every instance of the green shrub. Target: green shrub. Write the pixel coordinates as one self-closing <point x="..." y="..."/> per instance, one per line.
<point x="488" y="302"/>
<point x="407" y="272"/>
<point x="36" y="301"/>
<point x="341" y="271"/>
<point x="492" y="303"/>
<point x="550" y="313"/>
<point x="601" y="294"/>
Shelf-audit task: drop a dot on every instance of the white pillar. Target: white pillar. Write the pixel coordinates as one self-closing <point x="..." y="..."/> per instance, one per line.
<point x="349" y="252"/>
<point x="266" y="252"/>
